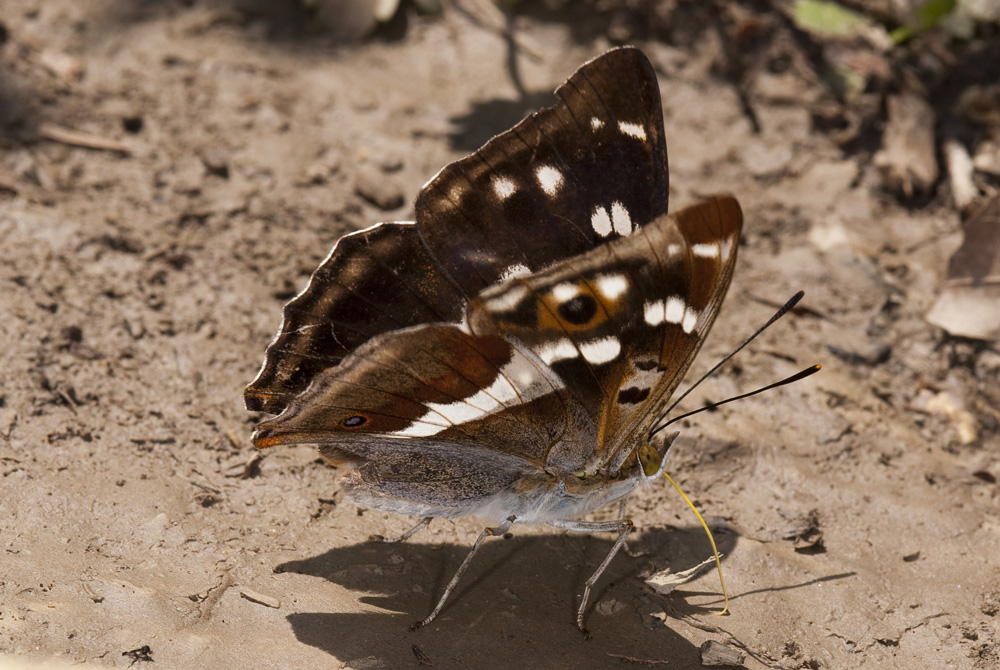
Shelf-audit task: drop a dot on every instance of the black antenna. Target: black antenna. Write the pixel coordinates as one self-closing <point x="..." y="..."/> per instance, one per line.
<point x="787" y="307"/>
<point x="794" y="378"/>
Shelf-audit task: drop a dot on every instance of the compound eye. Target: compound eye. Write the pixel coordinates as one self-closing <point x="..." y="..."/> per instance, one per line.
<point x="650" y="460"/>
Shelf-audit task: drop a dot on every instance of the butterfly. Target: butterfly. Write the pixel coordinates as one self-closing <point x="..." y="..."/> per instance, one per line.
<point x="508" y="354"/>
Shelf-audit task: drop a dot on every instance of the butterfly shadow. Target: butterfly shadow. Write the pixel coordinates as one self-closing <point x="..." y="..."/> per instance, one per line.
<point x="488" y="118"/>
<point x="518" y="599"/>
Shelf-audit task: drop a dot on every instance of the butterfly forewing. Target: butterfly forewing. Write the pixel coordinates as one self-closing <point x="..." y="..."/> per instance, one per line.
<point x="681" y="318"/>
<point x="565" y="180"/>
<point x="621" y="324"/>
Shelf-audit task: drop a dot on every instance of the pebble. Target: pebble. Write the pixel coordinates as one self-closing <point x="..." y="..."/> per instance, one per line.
<point x="378" y="188"/>
<point x="715" y="653"/>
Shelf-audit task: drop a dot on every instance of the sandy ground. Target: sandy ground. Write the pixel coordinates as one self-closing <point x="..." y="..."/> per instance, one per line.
<point x="138" y="291"/>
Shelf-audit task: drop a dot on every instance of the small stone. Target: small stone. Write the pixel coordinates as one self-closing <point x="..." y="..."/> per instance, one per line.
<point x="764" y="159"/>
<point x="908" y="160"/>
<point x="378" y="188"/>
<point x="216" y="164"/>
<point x="72" y="334"/>
<point x="609" y="607"/>
<point x="963" y="421"/>
<point x="68" y="68"/>
<point x="858" y="349"/>
<point x="715" y="653"/>
<point x="260" y="598"/>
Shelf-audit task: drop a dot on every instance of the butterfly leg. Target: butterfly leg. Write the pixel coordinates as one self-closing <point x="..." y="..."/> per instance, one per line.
<point x="487" y="533"/>
<point x="405" y="536"/>
<point x="622" y="527"/>
<point x="621" y="517"/>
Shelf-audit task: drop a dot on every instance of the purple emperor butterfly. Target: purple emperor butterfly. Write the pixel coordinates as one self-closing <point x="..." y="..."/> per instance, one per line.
<point x="507" y="355"/>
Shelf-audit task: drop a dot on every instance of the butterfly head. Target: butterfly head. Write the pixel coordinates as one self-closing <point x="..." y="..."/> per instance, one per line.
<point x="652" y="457"/>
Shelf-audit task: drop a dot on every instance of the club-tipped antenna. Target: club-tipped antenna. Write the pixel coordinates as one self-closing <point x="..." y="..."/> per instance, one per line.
<point x="802" y="374"/>
<point x="787" y="307"/>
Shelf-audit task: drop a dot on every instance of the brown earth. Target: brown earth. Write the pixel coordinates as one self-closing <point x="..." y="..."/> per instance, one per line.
<point x="139" y="288"/>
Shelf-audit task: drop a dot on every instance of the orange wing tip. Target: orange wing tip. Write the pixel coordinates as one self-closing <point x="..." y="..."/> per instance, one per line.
<point x="265" y="439"/>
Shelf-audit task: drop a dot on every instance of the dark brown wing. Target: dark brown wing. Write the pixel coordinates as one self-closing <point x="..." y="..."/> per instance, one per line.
<point x="565" y="180"/>
<point x="374" y="281"/>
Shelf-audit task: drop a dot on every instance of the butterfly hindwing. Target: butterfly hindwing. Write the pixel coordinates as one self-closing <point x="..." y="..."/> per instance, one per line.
<point x="432" y="383"/>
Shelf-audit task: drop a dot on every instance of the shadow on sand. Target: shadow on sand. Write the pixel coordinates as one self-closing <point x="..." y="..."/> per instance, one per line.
<point x="517" y="602"/>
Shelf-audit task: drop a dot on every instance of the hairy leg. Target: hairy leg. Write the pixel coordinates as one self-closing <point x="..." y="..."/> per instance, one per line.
<point x="487" y="533"/>
<point x="405" y="536"/>
<point x="622" y="527"/>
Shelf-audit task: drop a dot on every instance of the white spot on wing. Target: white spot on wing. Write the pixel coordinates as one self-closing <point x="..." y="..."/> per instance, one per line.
<point x="565" y="292"/>
<point x="620" y="218"/>
<point x="459" y="411"/>
<point x="690" y="320"/>
<point x="705" y="250"/>
<point x="595" y="123"/>
<point x="632" y="130"/>
<point x="674" y="312"/>
<point x="519" y="371"/>
<point x="526" y="377"/>
<point x="612" y="286"/>
<point x="530" y="380"/>
<point x="515" y="271"/>
<point x="420" y="429"/>
<point x="500" y="392"/>
<point x="673" y="249"/>
<point x="503" y="187"/>
<point x="508" y="299"/>
<point x="481" y="403"/>
<point x="559" y="350"/>
<point x="549" y="178"/>
<point x="655" y="313"/>
<point x="603" y="350"/>
<point x="601" y="222"/>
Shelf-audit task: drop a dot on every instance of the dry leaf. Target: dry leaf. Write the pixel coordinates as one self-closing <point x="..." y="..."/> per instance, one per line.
<point x="665" y="581"/>
<point x="969" y="305"/>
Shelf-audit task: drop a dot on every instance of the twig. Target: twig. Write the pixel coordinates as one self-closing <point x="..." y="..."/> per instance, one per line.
<point x="633" y="659"/>
<point x="77" y="138"/>
<point x="759" y="656"/>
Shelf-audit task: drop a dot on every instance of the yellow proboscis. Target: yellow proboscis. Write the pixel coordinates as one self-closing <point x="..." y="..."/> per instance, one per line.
<point x="715" y="550"/>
